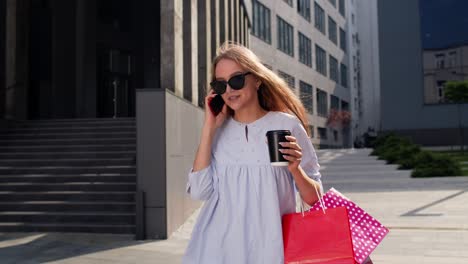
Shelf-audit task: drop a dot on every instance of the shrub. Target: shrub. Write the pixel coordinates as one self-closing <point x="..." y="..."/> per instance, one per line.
<point x="407" y="156"/>
<point x="430" y="165"/>
<point x="391" y="148"/>
<point x="389" y="143"/>
<point x="395" y="149"/>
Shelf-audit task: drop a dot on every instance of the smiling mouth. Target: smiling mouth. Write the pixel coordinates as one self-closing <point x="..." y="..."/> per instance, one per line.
<point x="233" y="97"/>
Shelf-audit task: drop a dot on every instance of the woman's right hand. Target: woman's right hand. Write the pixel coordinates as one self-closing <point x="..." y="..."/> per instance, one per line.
<point x="213" y="122"/>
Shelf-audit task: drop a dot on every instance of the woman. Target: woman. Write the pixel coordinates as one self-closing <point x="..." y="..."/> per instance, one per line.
<point x="244" y="195"/>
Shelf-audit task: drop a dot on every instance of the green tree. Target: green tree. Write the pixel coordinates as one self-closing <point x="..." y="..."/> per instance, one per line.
<point x="457" y="92"/>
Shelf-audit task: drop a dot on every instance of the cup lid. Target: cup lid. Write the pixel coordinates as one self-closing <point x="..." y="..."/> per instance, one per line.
<point x="287" y="132"/>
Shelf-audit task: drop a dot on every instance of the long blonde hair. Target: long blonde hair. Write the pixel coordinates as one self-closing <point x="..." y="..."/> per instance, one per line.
<point x="273" y="93"/>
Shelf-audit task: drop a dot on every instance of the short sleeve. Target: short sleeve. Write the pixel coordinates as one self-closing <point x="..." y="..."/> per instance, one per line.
<point x="309" y="161"/>
<point x="200" y="183"/>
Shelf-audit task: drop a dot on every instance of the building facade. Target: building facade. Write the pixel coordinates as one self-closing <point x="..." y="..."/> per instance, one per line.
<point x="403" y="103"/>
<point x="443" y="65"/>
<point x="120" y="58"/>
<point x="306" y="43"/>
<point x="367" y="77"/>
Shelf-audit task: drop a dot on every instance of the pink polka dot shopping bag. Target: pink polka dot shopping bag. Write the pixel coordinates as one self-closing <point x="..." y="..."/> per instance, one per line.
<point x="366" y="231"/>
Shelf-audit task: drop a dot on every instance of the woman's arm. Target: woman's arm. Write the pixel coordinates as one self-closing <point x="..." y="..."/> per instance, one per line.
<point x="212" y="123"/>
<point x="307" y="187"/>
<point x="203" y="156"/>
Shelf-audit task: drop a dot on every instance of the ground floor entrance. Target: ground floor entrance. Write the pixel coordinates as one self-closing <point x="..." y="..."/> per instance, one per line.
<point x="76" y="58"/>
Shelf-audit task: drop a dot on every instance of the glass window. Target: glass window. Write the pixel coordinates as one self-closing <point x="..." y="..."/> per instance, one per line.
<point x="321" y="60"/>
<point x="334" y="102"/>
<point x="307" y="96"/>
<point x="342" y="8"/>
<point x="322" y="103"/>
<point x="319" y="18"/>
<point x="303" y="8"/>
<point x="288" y="79"/>
<point x="334" y="69"/>
<point x="344" y="75"/>
<point x="305" y="50"/>
<point x="344" y="106"/>
<point x="332" y="34"/>
<point x="343" y="40"/>
<point x="261" y="21"/>
<point x="322" y="132"/>
<point x="285" y="37"/>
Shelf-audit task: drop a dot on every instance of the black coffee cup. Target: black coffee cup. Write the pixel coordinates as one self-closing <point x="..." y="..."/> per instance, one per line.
<point x="274" y="137"/>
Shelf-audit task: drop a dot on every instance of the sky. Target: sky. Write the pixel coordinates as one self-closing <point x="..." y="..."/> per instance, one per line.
<point x="443" y="22"/>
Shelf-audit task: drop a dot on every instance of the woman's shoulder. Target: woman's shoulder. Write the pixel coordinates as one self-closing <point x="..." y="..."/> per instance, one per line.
<point x="285" y="117"/>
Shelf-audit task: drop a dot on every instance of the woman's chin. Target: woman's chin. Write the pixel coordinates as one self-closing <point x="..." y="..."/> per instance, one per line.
<point x="234" y="107"/>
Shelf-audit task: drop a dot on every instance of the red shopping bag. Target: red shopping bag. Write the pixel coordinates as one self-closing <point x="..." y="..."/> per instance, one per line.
<point x="366" y="231"/>
<point x="318" y="237"/>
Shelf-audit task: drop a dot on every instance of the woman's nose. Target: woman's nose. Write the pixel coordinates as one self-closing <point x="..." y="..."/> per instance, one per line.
<point x="228" y="88"/>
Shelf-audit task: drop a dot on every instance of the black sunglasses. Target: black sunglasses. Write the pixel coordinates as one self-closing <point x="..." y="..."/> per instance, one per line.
<point x="236" y="82"/>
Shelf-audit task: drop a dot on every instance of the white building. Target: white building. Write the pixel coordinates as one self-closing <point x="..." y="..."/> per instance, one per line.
<point x="440" y="66"/>
<point x="306" y="43"/>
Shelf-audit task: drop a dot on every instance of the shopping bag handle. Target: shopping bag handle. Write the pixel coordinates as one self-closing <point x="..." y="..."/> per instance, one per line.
<point x="322" y="204"/>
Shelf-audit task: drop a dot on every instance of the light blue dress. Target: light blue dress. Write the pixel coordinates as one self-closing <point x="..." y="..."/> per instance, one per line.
<point x="245" y="197"/>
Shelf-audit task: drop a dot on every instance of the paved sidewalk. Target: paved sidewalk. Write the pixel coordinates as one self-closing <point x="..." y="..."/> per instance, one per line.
<point x="428" y="221"/>
<point x="428" y="218"/>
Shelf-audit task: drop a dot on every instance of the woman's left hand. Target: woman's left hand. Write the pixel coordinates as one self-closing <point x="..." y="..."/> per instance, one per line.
<point x="292" y="152"/>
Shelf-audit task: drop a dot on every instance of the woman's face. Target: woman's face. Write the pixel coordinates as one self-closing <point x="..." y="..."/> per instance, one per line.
<point x="236" y="99"/>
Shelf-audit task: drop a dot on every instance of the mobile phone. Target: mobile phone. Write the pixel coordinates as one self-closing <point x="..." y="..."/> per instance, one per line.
<point x="216" y="104"/>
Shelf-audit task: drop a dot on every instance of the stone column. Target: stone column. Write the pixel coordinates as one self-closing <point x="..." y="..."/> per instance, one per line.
<point x="237" y="19"/>
<point x="204" y="52"/>
<point x="80" y="36"/>
<point x="16" y="59"/>
<point x="215" y="27"/>
<point x="2" y="57"/>
<point x="194" y="52"/>
<point x="190" y="49"/>
<point x="171" y="14"/>
<point x="242" y="24"/>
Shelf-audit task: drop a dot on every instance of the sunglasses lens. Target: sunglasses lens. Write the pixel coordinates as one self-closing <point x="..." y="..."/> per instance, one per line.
<point x="237" y="82"/>
<point x="218" y="87"/>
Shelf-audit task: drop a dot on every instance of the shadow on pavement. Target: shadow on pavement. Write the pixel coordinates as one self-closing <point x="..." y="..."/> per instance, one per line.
<point x="47" y="247"/>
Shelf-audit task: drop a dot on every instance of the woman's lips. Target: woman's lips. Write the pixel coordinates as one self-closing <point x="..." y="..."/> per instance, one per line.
<point x="233" y="97"/>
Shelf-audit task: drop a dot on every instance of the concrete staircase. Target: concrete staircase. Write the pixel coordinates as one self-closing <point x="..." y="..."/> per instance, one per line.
<point x="75" y="175"/>
<point x="355" y="170"/>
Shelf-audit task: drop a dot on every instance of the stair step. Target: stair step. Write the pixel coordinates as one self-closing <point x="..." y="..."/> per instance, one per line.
<point x="68" y="186"/>
<point x="58" y="130"/>
<point x="63" y="217"/>
<point x="60" y="170"/>
<point x="67" y="196"/>
<point x="64" y="206"/>
<point x="68" y="155"/>
<point x="67" y="227"/>
<point x="67" y="162"/>
<point x="68" y="125"/>
<point x="71" y="123"/>
<point x="68" y="175"/>
<point x="82" y="135"/>
<point x="69" y="148"/>
<point x="68" y="178"/>
<point x="71" y="141"/>
<point x="71" y="120"/>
